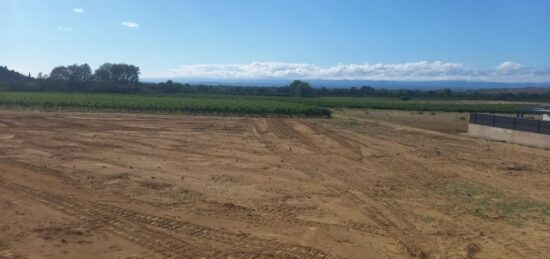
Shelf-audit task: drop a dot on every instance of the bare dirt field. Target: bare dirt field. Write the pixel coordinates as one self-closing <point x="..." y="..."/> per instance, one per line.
<point x="92" y="185"/>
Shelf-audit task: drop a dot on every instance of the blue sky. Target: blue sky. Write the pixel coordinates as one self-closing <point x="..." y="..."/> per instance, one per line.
<point x="485" y="40"/>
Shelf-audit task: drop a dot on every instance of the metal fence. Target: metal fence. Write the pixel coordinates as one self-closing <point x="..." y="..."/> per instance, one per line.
<point x="513" y="123"/>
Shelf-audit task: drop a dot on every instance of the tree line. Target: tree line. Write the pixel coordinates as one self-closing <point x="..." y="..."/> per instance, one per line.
<point x="124" y="78"/>
<point x="75" y="78"/>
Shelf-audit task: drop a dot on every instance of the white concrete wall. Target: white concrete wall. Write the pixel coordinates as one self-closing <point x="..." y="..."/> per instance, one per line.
<point x="510" y="136"/>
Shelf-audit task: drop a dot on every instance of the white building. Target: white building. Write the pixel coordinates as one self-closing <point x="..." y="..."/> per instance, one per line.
<point x="545" y="111"/>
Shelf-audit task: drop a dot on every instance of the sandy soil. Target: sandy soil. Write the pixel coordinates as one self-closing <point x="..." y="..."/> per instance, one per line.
<point x="77" y="185"/>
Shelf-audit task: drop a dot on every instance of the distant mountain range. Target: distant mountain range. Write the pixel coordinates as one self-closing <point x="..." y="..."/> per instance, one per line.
<point x="423" y="85"/>
<point x="9" y="76"/>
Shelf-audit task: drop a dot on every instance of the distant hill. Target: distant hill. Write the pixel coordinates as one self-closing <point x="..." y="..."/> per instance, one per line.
<point x="423" y="85"/>
<point x="10" y="76"/>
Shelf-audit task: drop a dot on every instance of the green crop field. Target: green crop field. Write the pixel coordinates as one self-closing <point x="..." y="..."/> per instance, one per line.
<point x="240" y="105"/>
<point x="390" y="103"/>
<point x="412" y="105"/>
<point x="141" y="103"/>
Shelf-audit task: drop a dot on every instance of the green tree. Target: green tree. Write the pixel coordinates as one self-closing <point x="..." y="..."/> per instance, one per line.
<point x="103" y="73"/>
<point x="299" y="88"/>
<point x="367" y="90"/>
<point x="79" y="76"/>
<point x="117" y="73"/>
<point x="60" y="73"/>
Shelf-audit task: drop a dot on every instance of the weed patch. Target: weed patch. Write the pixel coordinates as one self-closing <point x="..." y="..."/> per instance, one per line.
<point x="487" y="202"/>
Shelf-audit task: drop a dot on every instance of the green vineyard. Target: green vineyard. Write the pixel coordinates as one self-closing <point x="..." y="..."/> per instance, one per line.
<point x="141" y="103"/>
<point x="413" y="105"/>
<point x="238" y="104"/>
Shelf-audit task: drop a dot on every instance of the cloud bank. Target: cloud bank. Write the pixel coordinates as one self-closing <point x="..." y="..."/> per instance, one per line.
<point x="130" y="25"/>
<point x="412" y="71"/>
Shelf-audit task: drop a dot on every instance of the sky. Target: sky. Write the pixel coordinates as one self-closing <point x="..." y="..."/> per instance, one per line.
<point x="475" y="40"/>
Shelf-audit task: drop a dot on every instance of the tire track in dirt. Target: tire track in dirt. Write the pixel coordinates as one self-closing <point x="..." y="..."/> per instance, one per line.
<point x="6" y="253"/>
<point x="269" y="247"/>
<point x="385" y="225"/>
<point x="419" y="182"/>
<point x="345" y="142"/>
<point x="381" y="191"/>
<point x="389" y="220"/>
<point x="285" y="130"/>
<point x="282" y="131"/>
<point x="278" y="216"/>
<point x="153" y="240"/>
<point x="388" y="226"/>
<point x="109" y="217"/>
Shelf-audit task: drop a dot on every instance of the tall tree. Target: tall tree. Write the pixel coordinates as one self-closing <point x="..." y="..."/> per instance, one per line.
<point x="60" y="73"/>
<point x="80" y="73"/>
<point x="300" y="89"/>
<point x="117" y="73"/>
<point x="103" y="73"/>
<point x="125" y="74"/>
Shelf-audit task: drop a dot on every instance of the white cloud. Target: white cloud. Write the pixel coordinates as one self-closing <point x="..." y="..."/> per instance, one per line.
<point x="78" y="10"/>
<point x="412" y="71"/>
<point x="130" y="25"/>
<point x="508" y="66"/>
<point x="62" y="28"/>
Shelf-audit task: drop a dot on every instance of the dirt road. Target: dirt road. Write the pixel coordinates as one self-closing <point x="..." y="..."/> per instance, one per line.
<point x="77" y="185"/>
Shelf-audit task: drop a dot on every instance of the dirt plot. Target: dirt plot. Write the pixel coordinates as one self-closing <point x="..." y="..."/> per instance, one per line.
<point x="77" y="185"/>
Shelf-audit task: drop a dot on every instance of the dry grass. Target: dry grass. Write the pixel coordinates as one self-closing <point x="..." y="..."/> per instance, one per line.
<point x="488" y="202"/>
<point x="448" y="122"/>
